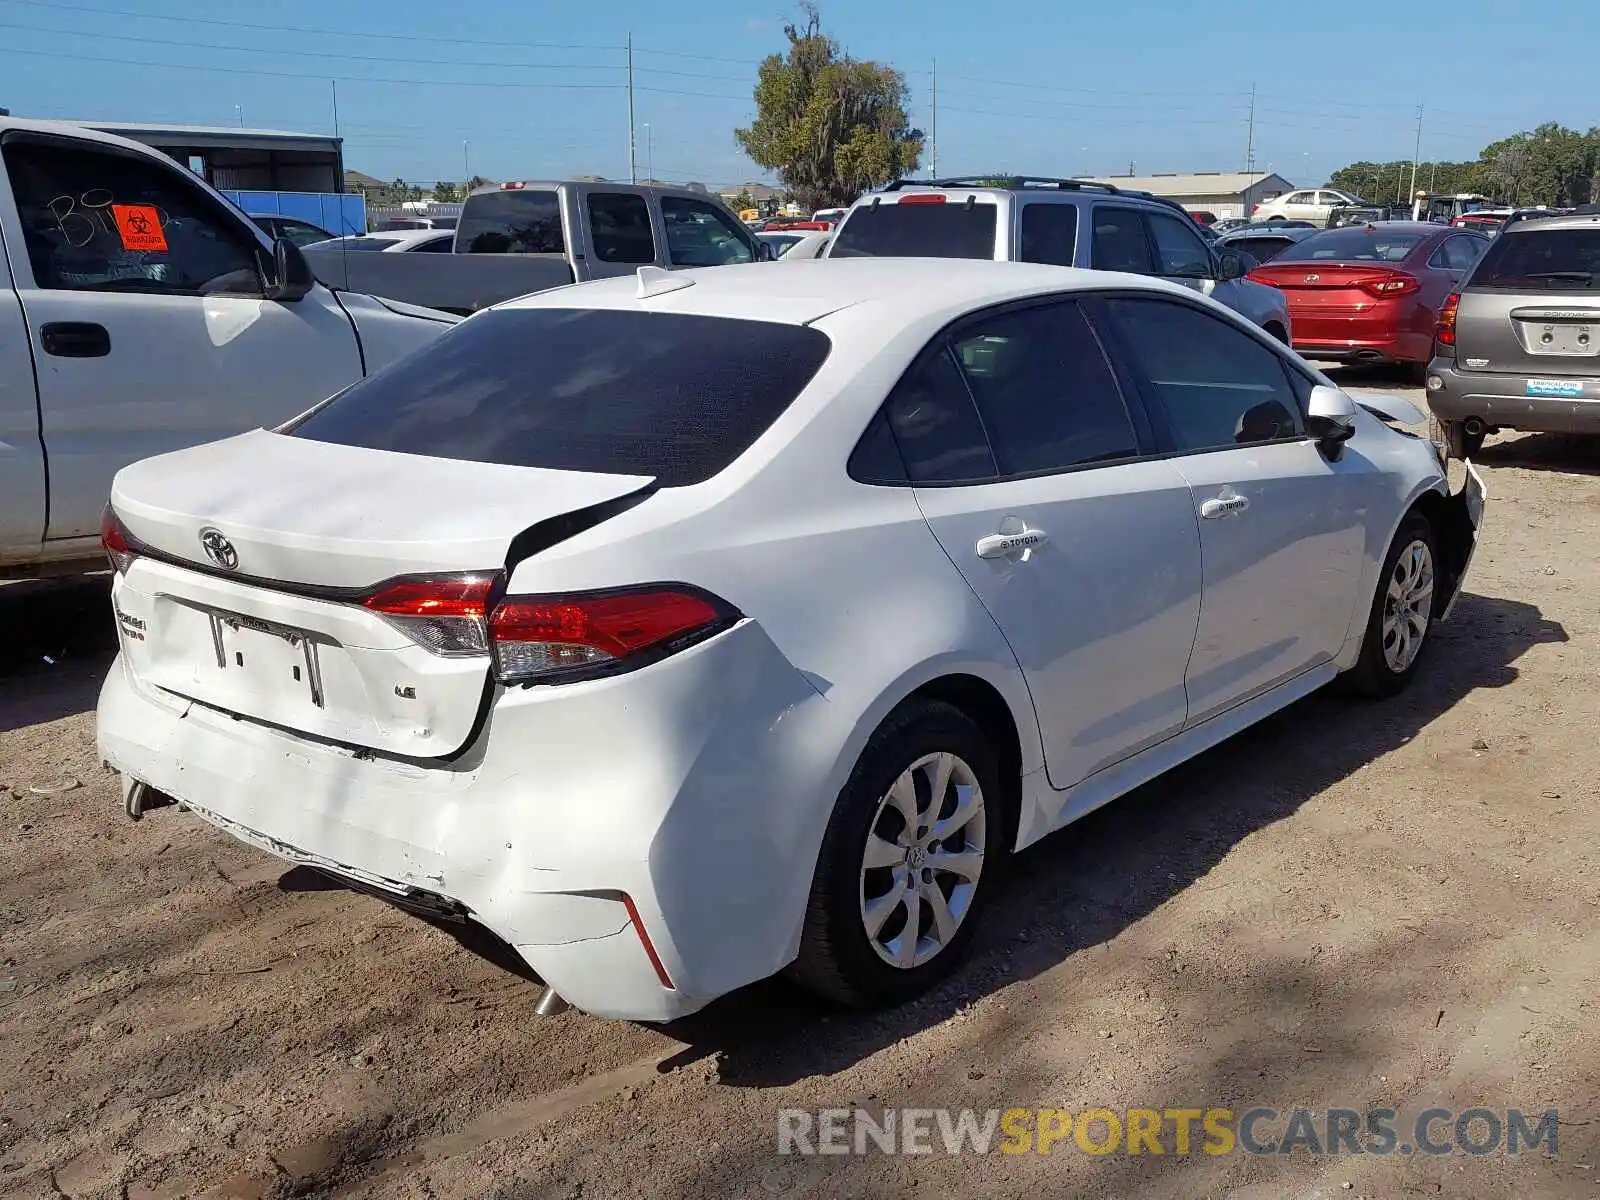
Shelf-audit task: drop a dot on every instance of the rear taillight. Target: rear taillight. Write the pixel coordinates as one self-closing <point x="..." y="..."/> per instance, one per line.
<point x="1445" y="331"/>
<point x="114" y="539"/>
<point x="446" y="614"/>
<point x="922" y="198"/>
<point x="1253" y="277"/>
<point x="547" y="638"/>
<point x="1391" y="286"/>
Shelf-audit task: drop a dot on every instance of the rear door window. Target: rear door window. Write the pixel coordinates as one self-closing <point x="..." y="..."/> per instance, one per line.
<point x="940" y="435"/>
<point x="1119" y="241"/>
<point x="669" y="395"/>
<point x="1563" y="259"/>
<point x="917" y="230"/>
<point x="619" y="224"/>
<point x="511" y="222"/>
<point x="1049" y="233"/>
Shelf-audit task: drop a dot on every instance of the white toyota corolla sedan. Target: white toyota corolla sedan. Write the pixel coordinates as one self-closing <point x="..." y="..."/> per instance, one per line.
<point x="685" y="628"/>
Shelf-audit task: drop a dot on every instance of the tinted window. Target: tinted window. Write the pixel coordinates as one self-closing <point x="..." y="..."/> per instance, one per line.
<point x="94" y="220"/>
<point x="1049" y="233"/>
<point x="619" y="223"/>
<point x="876" y="458"/>
<point x="1542" y="258"/>
<point x="438" y="245"/>
<point x="700" y="234"/>
<point x="1220" y="387"/>
<point x="1119" y="241"/>
<point x="355" y="243"/>
<point x="671" y="396"/>
<point x="1354" y="243"/>
<point x="940" y="437"/>
<point x="301" y="233"/>
<point x="1457" y="254"/>
<point x="917" y="231"/>
<point x="1179" y="250"/>
<point x="1261" y="248"/>
<point x="1047" y="396"/>
<point x="514" y="222"/>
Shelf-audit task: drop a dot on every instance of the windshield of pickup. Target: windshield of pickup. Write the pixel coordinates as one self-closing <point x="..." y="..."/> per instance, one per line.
<point x="511" y="222"/>
<point x="916" y="228"/>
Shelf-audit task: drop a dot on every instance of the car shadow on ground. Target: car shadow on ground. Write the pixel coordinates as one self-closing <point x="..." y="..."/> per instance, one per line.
<point x="1370" y="375"/>
<point x="56" y="641"/>
<point x="1085" y="885"/>
<point x="1566" y="453"/>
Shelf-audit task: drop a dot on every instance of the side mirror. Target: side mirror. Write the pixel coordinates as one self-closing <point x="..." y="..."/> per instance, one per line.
<point x="1331" y="419"/>
<point x="766" y="251"/>
<point x="292" y="277"/>
<point x="1230" y="266"/>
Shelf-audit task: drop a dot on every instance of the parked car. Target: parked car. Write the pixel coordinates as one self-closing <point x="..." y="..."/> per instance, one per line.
<point x="1371" y="293"/>
<point x="1485" y="220"/>
<point x="1518" y="346"/>
<point x="405" y="223"/>
<point x="405" y="241"/>
<point x="829" y="216"/>
<point x="781" y="243"/>
<point x="1202" y="217"/>
<point x="1304" y="204"/>
<point x="615" y="705"/>
<point x="140" y="312"/>
<point x="1064" y="222"/>
<point x="301" y="233"/>
<point x="520" y="237"/>
<point x="1265" y="242"/>
<point x="1359" y="214"/>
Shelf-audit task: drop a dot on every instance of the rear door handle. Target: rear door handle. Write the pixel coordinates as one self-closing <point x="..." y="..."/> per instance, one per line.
<point x="1226" y="504"/>
<point x="1002" y="545"/>
<point x="75" y="339"/>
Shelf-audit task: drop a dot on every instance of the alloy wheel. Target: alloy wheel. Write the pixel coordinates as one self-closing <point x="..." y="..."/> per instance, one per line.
<point x="923" y="859"/>
<point x="1408" y="606"/>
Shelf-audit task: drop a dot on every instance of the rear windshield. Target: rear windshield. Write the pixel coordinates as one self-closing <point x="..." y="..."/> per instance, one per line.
<point x="671" y="396"/>
<point x="1356" y="243"/>
<point x="917" y="231"/>
<point x="514" y="222"/>
<point x="1261" y="248"/>
<point x="1541" y="258"/>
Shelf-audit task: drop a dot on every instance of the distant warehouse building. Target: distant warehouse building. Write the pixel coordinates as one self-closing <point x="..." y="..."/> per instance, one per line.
<point x="1226" y="193"/>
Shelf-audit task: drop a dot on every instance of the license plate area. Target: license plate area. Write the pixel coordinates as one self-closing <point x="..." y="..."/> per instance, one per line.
<point x="1561" y="339"/>
<point x="276" y="656"/>
<point x="1569" y="389"/>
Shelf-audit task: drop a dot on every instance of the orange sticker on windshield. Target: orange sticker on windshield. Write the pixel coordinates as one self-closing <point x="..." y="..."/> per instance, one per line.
<point x="139" y="226"/>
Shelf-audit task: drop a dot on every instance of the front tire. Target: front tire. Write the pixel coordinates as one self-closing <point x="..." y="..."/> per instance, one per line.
<point x="911" y="856"/>
<point x="1402" y="612"/>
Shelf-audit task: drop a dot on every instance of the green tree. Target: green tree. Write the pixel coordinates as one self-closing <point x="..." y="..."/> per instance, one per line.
<point x="446" y="193"/>
<point x="831" y="126"/>
<point x="742" y="201"/>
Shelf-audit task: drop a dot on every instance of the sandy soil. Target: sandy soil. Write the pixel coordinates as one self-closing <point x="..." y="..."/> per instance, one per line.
<point x="1358" y="905"/>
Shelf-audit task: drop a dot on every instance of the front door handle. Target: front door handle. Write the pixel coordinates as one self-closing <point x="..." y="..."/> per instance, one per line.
<point x="75" y="339"/>
<point x="1225" y="504"/>
<point x="1003" y="545"/>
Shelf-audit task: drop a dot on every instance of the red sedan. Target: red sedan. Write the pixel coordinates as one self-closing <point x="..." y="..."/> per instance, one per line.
<point x="1371" y="293"/>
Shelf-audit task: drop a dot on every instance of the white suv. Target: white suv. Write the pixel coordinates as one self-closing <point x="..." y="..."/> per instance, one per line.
<point x="1062" y="222"/>
<point x="1308" y="204"/>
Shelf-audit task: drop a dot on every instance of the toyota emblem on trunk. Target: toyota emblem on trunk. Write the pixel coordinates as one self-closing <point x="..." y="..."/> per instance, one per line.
<point x="219" y="549"/>
<point x="1312" y="278"/>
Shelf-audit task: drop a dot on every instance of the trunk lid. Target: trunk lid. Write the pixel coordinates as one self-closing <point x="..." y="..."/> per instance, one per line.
<point x="257" y="554"/>
<point x="1528" y="334"/>
<point x="1318" y="285"/>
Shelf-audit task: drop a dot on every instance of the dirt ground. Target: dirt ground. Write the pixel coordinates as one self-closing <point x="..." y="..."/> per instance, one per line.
<point x="1358" y="905"/>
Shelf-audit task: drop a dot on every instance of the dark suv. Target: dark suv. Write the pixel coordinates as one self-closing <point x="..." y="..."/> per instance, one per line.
<point x="1518" y="347"/>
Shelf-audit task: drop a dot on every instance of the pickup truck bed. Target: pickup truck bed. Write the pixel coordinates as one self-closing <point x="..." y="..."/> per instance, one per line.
<point x="456" y="283"/>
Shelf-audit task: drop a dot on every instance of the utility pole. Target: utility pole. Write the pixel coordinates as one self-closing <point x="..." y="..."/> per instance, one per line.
<point x="1250" y="135"/>
<point x="334" y="84"/>
<point x="933" y="120"/>
<point x="466" y="164"/>
<point x="1416" y="156"/>
<point x="633" y="142"/>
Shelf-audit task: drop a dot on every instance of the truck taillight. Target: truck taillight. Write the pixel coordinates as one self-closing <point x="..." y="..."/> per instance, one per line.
<point x="1445" y="331"/>
<point x="115" y="541"/>
<point x="550" y="638"/>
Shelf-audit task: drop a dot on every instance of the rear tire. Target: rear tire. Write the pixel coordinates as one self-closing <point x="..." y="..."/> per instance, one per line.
<point x="1457" y="442"/>
<point x="1401" y="618"/>
<point x="879" y="870"/>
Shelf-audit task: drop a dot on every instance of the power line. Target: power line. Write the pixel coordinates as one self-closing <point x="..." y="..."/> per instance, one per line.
<point x="318" y="75"/>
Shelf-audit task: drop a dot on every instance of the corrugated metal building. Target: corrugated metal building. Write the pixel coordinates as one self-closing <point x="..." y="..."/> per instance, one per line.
<point x="1226" y="193"/>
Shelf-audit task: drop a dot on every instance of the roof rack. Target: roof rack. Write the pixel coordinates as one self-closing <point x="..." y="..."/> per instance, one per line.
<point x="1033" y="182"/>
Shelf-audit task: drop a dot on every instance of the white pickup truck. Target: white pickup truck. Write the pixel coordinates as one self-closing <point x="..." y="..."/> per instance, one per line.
<point x="141" y="312"/>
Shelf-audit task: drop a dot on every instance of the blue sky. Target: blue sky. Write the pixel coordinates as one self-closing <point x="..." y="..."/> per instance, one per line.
<point x="537" y="88"/>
